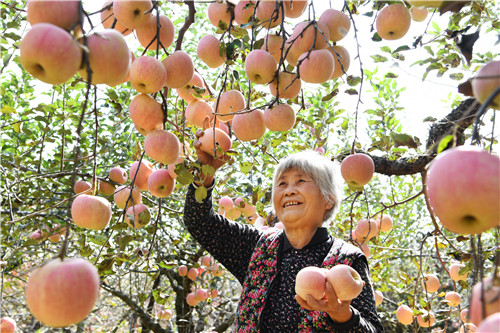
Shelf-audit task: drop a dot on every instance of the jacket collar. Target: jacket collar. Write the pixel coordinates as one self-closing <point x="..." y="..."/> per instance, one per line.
<point x="319" y="237"/>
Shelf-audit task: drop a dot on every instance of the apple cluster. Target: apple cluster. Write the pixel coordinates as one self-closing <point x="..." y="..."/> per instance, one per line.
<point x="237" y="208"/>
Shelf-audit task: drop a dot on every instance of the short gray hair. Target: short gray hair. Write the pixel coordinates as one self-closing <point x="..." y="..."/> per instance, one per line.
<point x="324" y="172"/>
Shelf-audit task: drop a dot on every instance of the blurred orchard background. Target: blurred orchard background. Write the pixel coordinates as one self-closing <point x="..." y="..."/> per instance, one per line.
<point x="400" y="101"/>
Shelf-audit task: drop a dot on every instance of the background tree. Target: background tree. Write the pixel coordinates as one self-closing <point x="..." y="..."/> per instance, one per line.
<point x="55" y="135"/>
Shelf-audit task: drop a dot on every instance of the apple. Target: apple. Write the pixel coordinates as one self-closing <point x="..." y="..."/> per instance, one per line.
<point x="366" y="230"/>
<point x="62" y="292"/>
<point x="311" y="281"/>
<point x="468" y="328"/>
<point x="192" y="273"/>
<point x="140" y="214"/>
<point x="125" y="196"/>
<point x="226" y="203"/>
<point x="106" y="188"/>
<point x="108" y="17"/>
<point x="211" y="51"/>
<point x="379" y="297"/>
<point x="7" y="325"/>
<point x="430" y="283"/>
<point x="201" y="295"/>
<point x="180" y="69"/>
<point x="464" y="316"/>
<point x="462" y="188"/>
<point x="191" y="299"/>
<point x="64" y="14"/>
<point x="228" y="104"/>
<point x="260" y="66"/>
<point x="490" y="324"/>
<point x="452" y="298"/>
<point x="118" y="175"/>
<point x="243" y="12"/>
<point x="490" y="303"/>
<point x="346" y="281"/>
<point x="294" y="8"/>
<point x="316" y="66"/>
<point x="418" y="14"/>
<point x="186" y="92"/>
<point x="365" y="249"/>
<point x="82" y="186"/>
<point x="147" y="33"/>
<point x="215" y="138"/>
<point x="91" y="212"/>
<point x="36" y="235"/>
<point x="427" y="319"/>
<point x="160" y="183"/>
<point x="384" y="223"/>
<point x="50" y="53"/>
<point x="233" y="214"/>
<point x="217" y="271"/>
<point x="139" y="174"/>
<point x="307" y="35"/>
<point x="109" y="58"/>
<point x="287" y="84"/>
<point x="342" y="61"/>
<point x="183" y="270"/>
<point x="55" y="238"/>
<point x="165" y="314"/>
<point x="273" y="45"/>
<point x="162" y="146"/>
<point x="249" y="126"/>
<point x="219" y="11"/>
<point x="147" y="74"/>
<point x="280" y="117"/>
<point x="357" y="170"/>
<point x="146" y="113"/>
<point x="197" y="111"/>
<point x="132" y="13"/>
<point x="404" y="315"/>
<point x="486" y="81"/>
<point x="214" y="293"/>
<point x="393" y="21"/>
<point x="455" y="272"/>
<point x="338" y="23"/>
<point x="269" y="14"/>
<point x="171" y="167"/>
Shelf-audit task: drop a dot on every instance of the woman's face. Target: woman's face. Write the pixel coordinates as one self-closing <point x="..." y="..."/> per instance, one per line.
<point x="297" y="200"/>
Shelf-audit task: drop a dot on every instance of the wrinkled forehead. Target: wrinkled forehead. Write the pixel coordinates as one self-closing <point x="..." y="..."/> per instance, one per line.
<point x="282" y="173"/>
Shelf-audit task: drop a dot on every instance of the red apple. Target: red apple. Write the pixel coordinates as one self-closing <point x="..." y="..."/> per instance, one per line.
<point x="160" y="183"/>
<point x="427" y="319"/>
<point x="64" y="14"/>
<point x="191" y="299"/>
<point x="249" y="126"/>
<point x="82" y="186"/>
<point x="146" y="113"/>
<point x="7" y="325"/>
<point x="215" y="138"/>
<point x="201" y="295"/>
<point x="219" y="11"/>
<point x="210" y="51"/>
<point x="139" y="174"/>
<point x="132" y="13"/>
<point x="106" y="188"/>
<point x="183" y="270"/>
<point x="197" y="111"/>
<point x="162" y="146"/>
<point x="455" y="272"/>
<point x="62" y="292"/>
<point x="338" y="23"/>
<point x="384" y="223"/>
<point x="180" y="69"/>
<point x="393" y="21"/>
<point x="418" y="14"/>
<point x="269" y="14"/>
<point x="226" y="203"/>
<point x="108" y="17"/>
<point x="91" y="212"/>
<point x="118" y="175"/>
<point x="316" y="66"/>
<point x="462" y="188"/>
<point x="366" y="230"/>
<point x="192" y="273"/>
<point x="294" y="8"/>
<point x="273" y="45"/>
<point x="147" y="74"/>
<point x="260" y="66"/>
<point x="140" y="215"/>
<point x="346" y="281"/>
<point x="125" y="196"/>
<point x="109" y="58"/>
<point x="311" y="281"/>
<point x="431" y="283"/>
<point x="147" y="33"/>
<point x="486" y="81"/>
<point x="280" y="117"/>
<point x="243" y="12"/>
<point x="287" y="84"/>
<point x="379" y="297"/>
<point x="452" y="298"/>
<point x="50" y="53"/>
<point x="342" y="61"/>
<point x="228" y="104"/>
<point x="404" y="315"/>
<point x="186" y="92"/>
<point x="357" y="170"/>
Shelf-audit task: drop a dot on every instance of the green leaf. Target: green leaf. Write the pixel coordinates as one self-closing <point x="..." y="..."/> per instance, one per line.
<point x="378" y="58"/>
<point x="330" y="95"/>
<point x="353" y="80"/>
<point x="8" y="109"/>
<point x="402" y="48"/>
<point x="457" y="76"/>
<point x="386" y="49"/>
<point x="443" y="144"/>
<point x="98" y="239"/>
<point x="403" y="140"/>
<point x="245" y="167"/>
<point x="200" y="193"/>
<point x="184" y="177"/>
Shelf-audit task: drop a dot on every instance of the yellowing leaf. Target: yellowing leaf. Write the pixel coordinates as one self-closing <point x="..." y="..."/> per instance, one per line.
<point x="8" y="109"/>
<point x="17" y="127"/>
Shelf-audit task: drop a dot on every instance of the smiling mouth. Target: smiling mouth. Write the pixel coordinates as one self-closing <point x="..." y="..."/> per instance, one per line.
<point x="292" y="203"/>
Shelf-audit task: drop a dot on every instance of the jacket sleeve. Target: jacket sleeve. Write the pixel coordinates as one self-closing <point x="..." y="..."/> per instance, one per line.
<point x="364" y="318"/>
<point x="229" y="242"/>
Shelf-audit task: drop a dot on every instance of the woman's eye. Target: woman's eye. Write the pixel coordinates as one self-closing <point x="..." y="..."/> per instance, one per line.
<point x="281" y="184"/>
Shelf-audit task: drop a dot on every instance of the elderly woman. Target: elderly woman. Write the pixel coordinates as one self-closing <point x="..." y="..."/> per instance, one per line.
<point x="306" y="193"/>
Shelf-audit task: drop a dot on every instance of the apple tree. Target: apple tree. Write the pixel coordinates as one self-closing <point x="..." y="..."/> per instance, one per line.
<point x="102" y="101"/>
